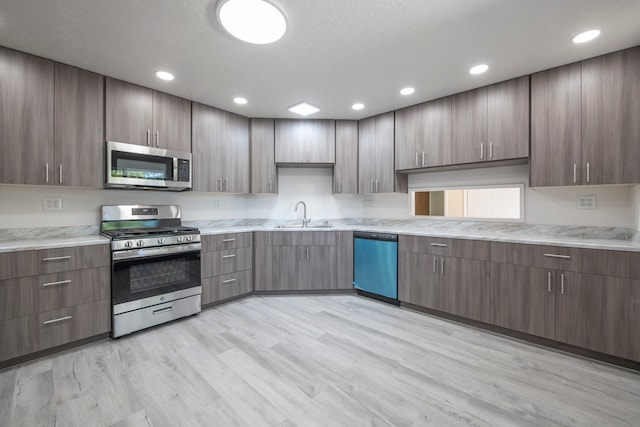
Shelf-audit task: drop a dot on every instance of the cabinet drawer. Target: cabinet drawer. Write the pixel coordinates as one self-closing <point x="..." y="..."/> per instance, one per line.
<point x="73" y="323"/>
<point x="30" y="263"/>
<point x="230" y="285"/>
<point x="459" y="248"/>
<point x="221" y="242"/>
<point x="19" y="336"/>
<point x="304" y="238"/>
<point x="225" y="262"/>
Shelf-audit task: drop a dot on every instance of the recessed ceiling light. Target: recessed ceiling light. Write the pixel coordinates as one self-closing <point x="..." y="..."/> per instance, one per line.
<point x="407" y="91"/>
<point x="303" y="108"/>
<point x="586" y="36"/>
<point x="252" y="21"/>
<point x="358" y="106"/>
<point x="240" y="100"/>
<point x="479" y="69"/>
<point x="164" y="75"/>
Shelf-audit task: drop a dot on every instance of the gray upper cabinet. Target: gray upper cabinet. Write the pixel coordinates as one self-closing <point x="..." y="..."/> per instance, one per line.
<point x="584" y="122"/>
<point x="79" y="127"/>
<point x="264" y="177"/>
<point x="137" y="115"/>
<point x="345" y="171"/>
<point x="305" y="141"/>
<point x="376" y="173"/>
<point x="423" y="135"/>
<point x="491" y="123"/>
<point x="220" y="150"/>
<point x="26" y="119"/>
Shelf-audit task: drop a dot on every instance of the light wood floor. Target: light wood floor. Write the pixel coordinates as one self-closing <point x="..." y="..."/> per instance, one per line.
<point x="316" y="361"/>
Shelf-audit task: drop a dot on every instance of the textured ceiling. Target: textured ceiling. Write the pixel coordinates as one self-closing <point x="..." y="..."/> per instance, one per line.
<point x="335" y="52"/>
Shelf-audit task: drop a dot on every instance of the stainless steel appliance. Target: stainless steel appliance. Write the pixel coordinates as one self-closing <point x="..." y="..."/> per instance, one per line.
<point x="140" y="167"/>
<point x="375" y="261"/>
<point x="155" y="266"/>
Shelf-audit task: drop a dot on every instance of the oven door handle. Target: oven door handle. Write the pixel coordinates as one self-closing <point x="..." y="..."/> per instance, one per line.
<point x="153" y="252"/>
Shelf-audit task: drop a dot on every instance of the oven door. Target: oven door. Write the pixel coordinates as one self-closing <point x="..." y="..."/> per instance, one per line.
<point x="144" y="277"/>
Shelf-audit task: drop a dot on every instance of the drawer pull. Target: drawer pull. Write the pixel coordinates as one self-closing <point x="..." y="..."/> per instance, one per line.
<point x="557" y="256"/>
<point x="48" y="322"/>
<point x="61" y="282"/>
<point x="228" y="240"/>
<point x="162" y="310"/>
<point x="440" y="245"/>
<point x="228" y="256"/>
<point x="228" y="280"/>
<point x="57" y="258"/>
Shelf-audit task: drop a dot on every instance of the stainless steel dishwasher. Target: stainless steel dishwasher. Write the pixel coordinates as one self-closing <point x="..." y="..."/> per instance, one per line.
<point x="375" y="265"/>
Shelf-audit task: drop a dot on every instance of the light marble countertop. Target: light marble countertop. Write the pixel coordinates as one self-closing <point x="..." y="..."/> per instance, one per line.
<point x="607" y="238"/>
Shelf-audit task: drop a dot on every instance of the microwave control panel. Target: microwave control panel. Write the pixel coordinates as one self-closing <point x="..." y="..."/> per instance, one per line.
<point x="183" y="170"/>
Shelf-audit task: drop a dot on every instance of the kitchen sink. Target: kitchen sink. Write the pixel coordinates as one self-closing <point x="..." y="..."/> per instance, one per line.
<point x="302" y="227"/>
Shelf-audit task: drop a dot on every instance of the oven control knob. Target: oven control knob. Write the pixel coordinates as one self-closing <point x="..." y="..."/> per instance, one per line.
<point x="189" y="238"/>
<point x="180" y="238"/>
<point x="128" y="244"/>
<point x="161" y="240"/>
<point x="140" y="243"/>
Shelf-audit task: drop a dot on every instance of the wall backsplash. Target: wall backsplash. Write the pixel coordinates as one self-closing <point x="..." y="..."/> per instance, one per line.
<point x="617" y="206"/>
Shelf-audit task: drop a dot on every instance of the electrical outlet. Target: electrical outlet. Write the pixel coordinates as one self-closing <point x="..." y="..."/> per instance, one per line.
<point x="586" y="202"/>
<point x="216" y="204"/>
<point x="368" y="202"/>
<point x="52" y="204"/>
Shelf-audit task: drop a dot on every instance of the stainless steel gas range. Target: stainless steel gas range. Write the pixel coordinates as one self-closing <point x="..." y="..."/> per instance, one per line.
<point x="155" y="266"/>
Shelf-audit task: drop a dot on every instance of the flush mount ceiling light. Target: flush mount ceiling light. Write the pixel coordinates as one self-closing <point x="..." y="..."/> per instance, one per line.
<point x="585" y="36"/>
<point x="478" y="69"/>
<point x="358" y="106"/>
<point x="164" y="75"/>
<point x="303" y="108"/>
<point x="252" y="21"/>
<point x="407" y="91"/>
<point x="240" y="100"/>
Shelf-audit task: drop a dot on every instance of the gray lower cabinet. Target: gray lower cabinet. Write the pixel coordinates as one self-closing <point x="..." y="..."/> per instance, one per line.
<point x="262" y="261"/>
<point x="264" y="176"/>
<point x="344" y="262"/>
<point x="417" y="283"/>
<point x="227" y="266"/>
<point x="303" y="267"/>
<point x="305" y="141"/>
<point x="53" y="297"/>
<point x="345" y="171"/>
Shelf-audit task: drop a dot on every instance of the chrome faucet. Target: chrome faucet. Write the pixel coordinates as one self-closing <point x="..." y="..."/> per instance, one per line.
<point x="305" y="220"/>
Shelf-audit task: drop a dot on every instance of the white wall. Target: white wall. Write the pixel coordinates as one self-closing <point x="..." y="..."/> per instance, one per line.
<point x="615" y="204"/>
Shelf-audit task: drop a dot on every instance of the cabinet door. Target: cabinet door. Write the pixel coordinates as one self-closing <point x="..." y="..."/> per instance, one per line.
<point x="264" y="179"/>
<point x="235" y="149"/>
<point x="208" y="132"/>
<point x="262" y="261"/>
<point x="286" y="268"/>
<point x="305" y="141"/>
<point x="384" y="153"/>
<point x="171" y="122"/>
<point x="345" y="171"/>
<point x="317" y="267"/>
<point x="26" y="119"/>
<point x="320" y="141"/>
<point x="289" y="141"/>
<point x="79" y="127"/>
<point x="469" y="126"/>
<point x="366" y="155"/>
<point x="128" y="113"/>
<point x="610" y="118"/>
<point x="417" y="281"/>
<point x="436" y="132"/>
<point x="408" y="138"/>
<point x="19" y="336"/>
<point x="555" y="127"/>
<point x="464" y="287"/>
<point x="523" y="299"/>
<point x="599" y="313"/>
<point x="344" y="276"/>
<point x="508" y="120"/>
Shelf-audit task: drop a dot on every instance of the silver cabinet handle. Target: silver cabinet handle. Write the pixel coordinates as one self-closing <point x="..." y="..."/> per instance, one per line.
<point x="562" y="283"/>
<point x="377" y="185"/>
<point x="424" y="156"/>
<point x="46" y="172"/>
<point x="441" y="265"/>
<point x="557" y="256"/>
<point x="574" y="173"/>
<point x="269" y="186"/>
<point x="61" y="174"/>
<point x="307" y="254"/>
<point x="417" y="161"/>
<point x="228" y="256"/>
<point x="228" y="240"/>
<point x="162" y="310"/>
<point x="340" y="186"/>
<point x="435" y="268"/>
<point x="371" y="186"/>
<point x="228" y="280"/>
<point x="490" y="150"/>
<point x="588" y="173"/>
<point x="442" y="245"/>
<point x="482" y="151"/>
<point x="218" y="184"/>
<point x="57" y="258"/>
<point x="61" y="282"/>
<point x="549" y="282"/>
<point x="48" y="322"/>
<point x="157" y="138"/>
<point x="226" y="185"/>
<point x="148" y="136"/>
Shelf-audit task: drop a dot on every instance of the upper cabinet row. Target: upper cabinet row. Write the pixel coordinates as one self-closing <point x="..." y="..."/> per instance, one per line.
<point x="585" y="122"/>
<point x="486" y="124"/>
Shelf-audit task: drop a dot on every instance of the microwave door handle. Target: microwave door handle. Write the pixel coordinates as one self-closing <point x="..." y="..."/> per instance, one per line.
<point x="175" y="169"/>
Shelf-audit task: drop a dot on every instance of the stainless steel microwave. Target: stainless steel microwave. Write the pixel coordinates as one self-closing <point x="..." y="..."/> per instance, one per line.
<point x="138" y="167"/>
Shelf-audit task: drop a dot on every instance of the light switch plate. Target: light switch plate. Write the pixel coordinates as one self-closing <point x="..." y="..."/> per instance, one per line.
<point x="215" y="204"/>
<point x="52" y="204"/>
<point x="586" y="202"/>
